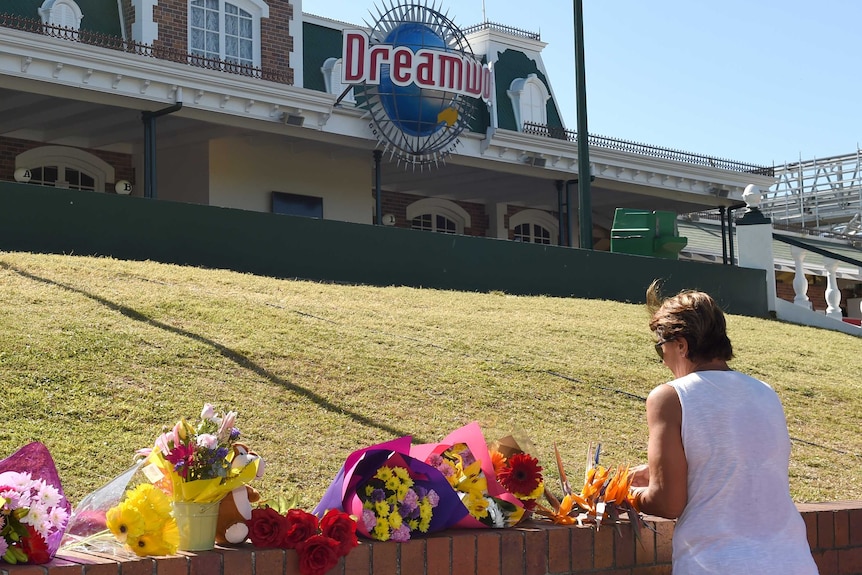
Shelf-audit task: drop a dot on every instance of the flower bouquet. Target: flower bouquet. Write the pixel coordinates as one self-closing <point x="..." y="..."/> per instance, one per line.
<point x="604" y="496"/>
<point x="33" y="508"/>
<point x="320" y="543"/>
<point x="497" y="484"/>
<point x="399" y="490"/>
<point x="143" y="522"/>
<point x="395" y="496"/>
<point x="197" y="466"/>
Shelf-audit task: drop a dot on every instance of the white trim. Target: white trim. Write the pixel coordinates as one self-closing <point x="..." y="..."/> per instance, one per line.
<point x="294" y="57"/>
<point x="101" y="171"/>
<point x="144" y="28"/>
<point x="539" y="217"/>
<point x="517" y="89"/>
<point x="46" y="11"/>
<point x="331" y="70"/>
<point x="442" y="207"/>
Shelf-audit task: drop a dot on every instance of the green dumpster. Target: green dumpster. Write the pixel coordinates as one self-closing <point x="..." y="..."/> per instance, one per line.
<point x="646" y="233"/>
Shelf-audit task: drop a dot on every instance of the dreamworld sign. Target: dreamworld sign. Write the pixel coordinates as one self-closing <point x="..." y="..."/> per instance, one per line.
<point x="418" y="78"/>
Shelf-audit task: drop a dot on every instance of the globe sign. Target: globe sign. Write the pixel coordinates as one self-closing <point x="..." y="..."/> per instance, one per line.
<point x="416" y="114"/>
<point x="414" y="110"/>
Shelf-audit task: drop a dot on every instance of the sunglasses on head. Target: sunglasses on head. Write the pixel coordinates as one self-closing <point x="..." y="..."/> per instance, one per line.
<point x="658" y="346"/>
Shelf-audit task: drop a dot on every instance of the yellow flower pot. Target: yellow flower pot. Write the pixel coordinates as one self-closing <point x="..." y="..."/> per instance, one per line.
<point x="197" y="525"/>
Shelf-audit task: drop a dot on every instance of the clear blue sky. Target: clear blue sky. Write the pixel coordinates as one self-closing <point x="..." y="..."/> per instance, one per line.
<point x="763" y="81"/>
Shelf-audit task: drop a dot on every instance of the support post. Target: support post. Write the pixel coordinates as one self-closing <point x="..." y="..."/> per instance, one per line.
<point x="378" y="216"/>
<point x="149" y="120"/>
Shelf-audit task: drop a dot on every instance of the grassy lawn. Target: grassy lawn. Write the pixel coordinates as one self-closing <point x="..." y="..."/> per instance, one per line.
<point x="97" y="355"/>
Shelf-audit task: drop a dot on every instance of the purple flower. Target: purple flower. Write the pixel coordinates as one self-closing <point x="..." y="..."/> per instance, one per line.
<point x="369" y="519"/>
<point x="401" y="534"/>
<point x="433" y="498"/>
<point x="378" y="495"/>
<point x="410" y="500"/>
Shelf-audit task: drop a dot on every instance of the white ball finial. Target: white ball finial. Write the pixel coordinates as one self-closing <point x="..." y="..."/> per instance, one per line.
<point x="752" y="196"/>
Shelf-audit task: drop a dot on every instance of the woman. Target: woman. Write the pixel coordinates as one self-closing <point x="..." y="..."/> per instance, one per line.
<point x="718" y="452"/>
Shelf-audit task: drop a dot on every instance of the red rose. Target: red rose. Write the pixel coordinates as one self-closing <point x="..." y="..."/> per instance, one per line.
<point x="317" y="555"/>
<point x="267" y="527"/>
<point x="35" y="547"/>
<point x="341" y="527"/>
<point x="300" y="526"/>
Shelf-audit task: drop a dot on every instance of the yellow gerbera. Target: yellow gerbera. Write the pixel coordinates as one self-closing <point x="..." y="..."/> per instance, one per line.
<point x="124" y="521"/>
<point x="161" y="542"/>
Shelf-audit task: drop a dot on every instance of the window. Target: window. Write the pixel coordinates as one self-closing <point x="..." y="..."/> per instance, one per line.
<point x="62" y="177"/>
<point x="227" y="30"/>
<point x="64" y="13"/>
<point x="436" y="215"/>
<point x="534" y="226"/>
<point x="297" y="205"/>
<point x="532" y="233"/>
<point x="529" y="100"/>
<point x="65" y="167"/>
<point x="434" y="223"/>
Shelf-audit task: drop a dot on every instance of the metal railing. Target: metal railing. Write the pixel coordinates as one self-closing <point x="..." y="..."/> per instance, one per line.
<point x="648" y="150"/>
<point x="511" y="30"/>
<point x="116" y="43"/>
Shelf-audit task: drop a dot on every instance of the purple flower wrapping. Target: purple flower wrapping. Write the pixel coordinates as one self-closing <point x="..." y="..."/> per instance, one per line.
<point x="35" y="459"/>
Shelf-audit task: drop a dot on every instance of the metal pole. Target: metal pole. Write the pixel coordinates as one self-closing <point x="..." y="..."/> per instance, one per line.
<point x="721" y="212"/>
<point x="378" y="217"/>
<point x="730" y="233"/>
<point x="585" y="209"/>
<point x="149" y="119"/>
<point x="562" y="214"/>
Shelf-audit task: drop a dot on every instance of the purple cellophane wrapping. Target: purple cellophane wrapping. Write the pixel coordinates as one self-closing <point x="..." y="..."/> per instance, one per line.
<point x="35" y="459"/>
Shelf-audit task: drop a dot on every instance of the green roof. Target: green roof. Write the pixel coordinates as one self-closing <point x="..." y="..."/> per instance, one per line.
<point x="101" y="16"/>
<point x="511" y="65"/>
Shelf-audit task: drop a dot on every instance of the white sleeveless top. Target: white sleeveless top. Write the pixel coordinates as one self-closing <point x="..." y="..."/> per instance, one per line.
<point x="739" y="517"/>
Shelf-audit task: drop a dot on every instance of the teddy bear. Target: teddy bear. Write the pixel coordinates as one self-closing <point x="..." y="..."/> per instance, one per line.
<point x="235" y="508"/>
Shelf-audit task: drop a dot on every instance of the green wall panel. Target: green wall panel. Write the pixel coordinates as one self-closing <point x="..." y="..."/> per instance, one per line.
<point x="49" y="220"/>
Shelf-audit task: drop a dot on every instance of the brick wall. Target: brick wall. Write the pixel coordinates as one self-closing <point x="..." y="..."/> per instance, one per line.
<point x="537" y="548"/>
<point x="172" y="18"/>
<point x="816" y="294"/>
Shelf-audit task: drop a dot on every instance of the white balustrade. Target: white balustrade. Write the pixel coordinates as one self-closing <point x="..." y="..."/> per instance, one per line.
<point x="800" y="282"/>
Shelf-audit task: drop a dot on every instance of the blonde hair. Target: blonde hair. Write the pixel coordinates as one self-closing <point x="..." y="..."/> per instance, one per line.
<point x="694" y="316"/>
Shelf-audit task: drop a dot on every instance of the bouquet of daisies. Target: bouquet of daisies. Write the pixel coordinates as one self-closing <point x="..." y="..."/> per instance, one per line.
<point x="33" y="508"/>
<point x="395" y="496"/>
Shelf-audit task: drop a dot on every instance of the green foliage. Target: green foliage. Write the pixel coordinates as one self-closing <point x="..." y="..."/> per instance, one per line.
<point x="98" y="355"/>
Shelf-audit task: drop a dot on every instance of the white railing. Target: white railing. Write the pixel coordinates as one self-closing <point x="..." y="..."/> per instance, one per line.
<point x="755" y="234"/>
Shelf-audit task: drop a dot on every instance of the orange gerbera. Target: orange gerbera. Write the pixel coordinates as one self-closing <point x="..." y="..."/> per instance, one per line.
<point x="522" y="476"/>
<point x="499" y="461"/>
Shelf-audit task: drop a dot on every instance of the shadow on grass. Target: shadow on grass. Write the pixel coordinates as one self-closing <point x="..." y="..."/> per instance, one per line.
<point x="226" y="352"/>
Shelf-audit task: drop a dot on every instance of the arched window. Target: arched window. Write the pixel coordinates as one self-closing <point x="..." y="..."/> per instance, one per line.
<point x="332" y="78"/>
<point x="534" y="226"/>
<point x="228" y="30"/>
<point x="64" y="13"/>
<point x="436" y="215"/>
<point x="64" y="167"/>
<point x="529" y="100"/>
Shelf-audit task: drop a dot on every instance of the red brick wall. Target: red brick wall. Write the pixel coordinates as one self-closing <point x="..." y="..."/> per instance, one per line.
<point x="172" y="18"/>
<point x="538" y="548"/>
<point x="11" y="147"/>
<point x="276" y="41"/>
<point x="816" y="294"/>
